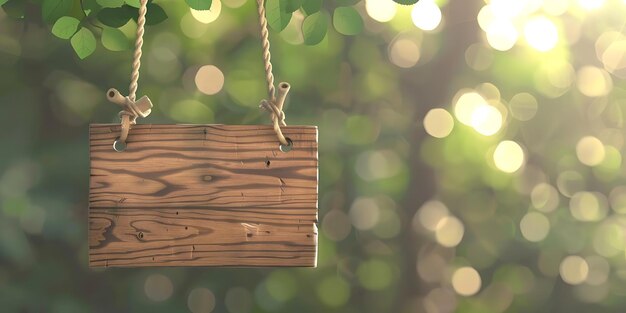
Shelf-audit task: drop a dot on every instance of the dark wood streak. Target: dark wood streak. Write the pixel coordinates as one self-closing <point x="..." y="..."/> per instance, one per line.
<point x="203" y="195"/>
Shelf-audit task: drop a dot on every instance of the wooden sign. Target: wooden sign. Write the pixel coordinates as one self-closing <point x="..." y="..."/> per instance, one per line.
<point x="203" y="195"/>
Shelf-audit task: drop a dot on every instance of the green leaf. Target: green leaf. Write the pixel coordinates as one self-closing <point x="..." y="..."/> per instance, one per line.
<point x="133" y="3"/>
<point x="65" y="27"/>
<point x="90" y="6"/>
<point x="346" y="3"/>
<point x="199" y="4"/>
<point x="15" y="8"/>
<point x="51" y="10"/>
<point x="110" y="3"/>
<point x="406" y="2"/>
<point x="2" y="2"/>
<point x="277" y="16"/>
<point x="293" y="5"/>
<point x="115" y="17"/>
<point x="347" y="21"/>
<point x="114" y="39"/>
<point x="314" y="28"/>
<point x="311" y="6"/>
<point x="155" y="14"/>
<point x="83" y="42"/>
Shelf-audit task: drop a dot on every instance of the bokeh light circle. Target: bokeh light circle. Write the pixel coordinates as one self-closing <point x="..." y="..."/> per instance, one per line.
<point x="201" y="300"/>
<point x="158" y="287"/>
<point x="574" y="270"/>
<point x="617" y="198"/>
<point x="381" y="10"/>
<point x="209" y="79"/>
<point x="508" y="156"/>
<point x="429" y="215"/>
<point x="466" y="104"/>
<point x="364" y="213"/>
<point x="593" y="81"/>
<point x="426" y="15"/>
<point x="404" y="52"/>
<point x="588" y="206"/>
<point x="541" y="33"/>
<point x="534" y="226"/>
<point x="523" y="106"/>
<point x="438" y="123"/>
<point x="208" y="16"/>
<point x="486" y="120"/>
<point x="502" y="35"/>
<point x="544" y="197"/>
<point x="590" y="151"/>
<point x="449" y="231"/>
<point x="466" y="281"/>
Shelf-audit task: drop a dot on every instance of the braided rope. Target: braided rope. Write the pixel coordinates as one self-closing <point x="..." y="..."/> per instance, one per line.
<point x="128" y="116"/>
<point x="274" y="105"/>
<point x="267" y="56"/>
<point x="134" y="77"/>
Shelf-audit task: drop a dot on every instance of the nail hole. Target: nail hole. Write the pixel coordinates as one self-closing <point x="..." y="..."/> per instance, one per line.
<point x="176" y="212"/>
<point x="267" y="163"/>
<point x="140" y="235"/>
<point x="118" y="145"/>
<point x="249" y="235"/>
<point x="284" y="85"/>
<point x="287" y="147"/>
<point x="186" y="227"/>
<point x="111" y="94"/>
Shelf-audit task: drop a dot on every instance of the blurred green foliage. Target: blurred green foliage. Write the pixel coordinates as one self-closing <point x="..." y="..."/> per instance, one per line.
<point x="105" y="16"/>
<point x="468" y="162"/>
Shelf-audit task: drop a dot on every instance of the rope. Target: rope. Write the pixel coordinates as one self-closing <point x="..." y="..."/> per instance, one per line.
<point x="141" y="23"/>
<point x="131" y="107"/>
<point x="275" y="104"/>
<point x="267" y="56"/>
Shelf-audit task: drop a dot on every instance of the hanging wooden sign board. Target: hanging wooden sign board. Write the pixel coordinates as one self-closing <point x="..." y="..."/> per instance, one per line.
<point x="203" y="195"/>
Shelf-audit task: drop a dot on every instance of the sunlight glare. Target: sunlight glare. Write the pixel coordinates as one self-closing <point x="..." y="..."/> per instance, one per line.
<point x="486" y="120"/>
<point x="541" y="33"/>
<point x="381" y="10"/>
<point x="502" y="35"/>
<point x="426" y="15"/>
<point x="465" y="106"/>
<point x="591" y="4"/>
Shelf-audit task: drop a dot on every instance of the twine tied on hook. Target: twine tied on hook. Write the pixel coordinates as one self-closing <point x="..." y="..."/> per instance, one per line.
<point x="275" y="108"/>
<point x="275" y="103"/>
<point x="132" y="108"/>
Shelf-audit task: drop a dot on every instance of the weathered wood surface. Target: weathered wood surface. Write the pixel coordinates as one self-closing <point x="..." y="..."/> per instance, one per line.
<point x="203" y="195"/>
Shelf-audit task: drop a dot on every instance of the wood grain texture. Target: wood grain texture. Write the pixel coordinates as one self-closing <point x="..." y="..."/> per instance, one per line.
<point x="203" y="195"/>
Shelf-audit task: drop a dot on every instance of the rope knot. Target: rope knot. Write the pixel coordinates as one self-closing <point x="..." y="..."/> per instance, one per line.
<point x="275" y="107"/>
<point x="277" y="114"/>
<point x="131" y="109"/>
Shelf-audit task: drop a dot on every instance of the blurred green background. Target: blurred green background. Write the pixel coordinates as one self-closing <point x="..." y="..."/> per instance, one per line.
<point x="470" y="156"/>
